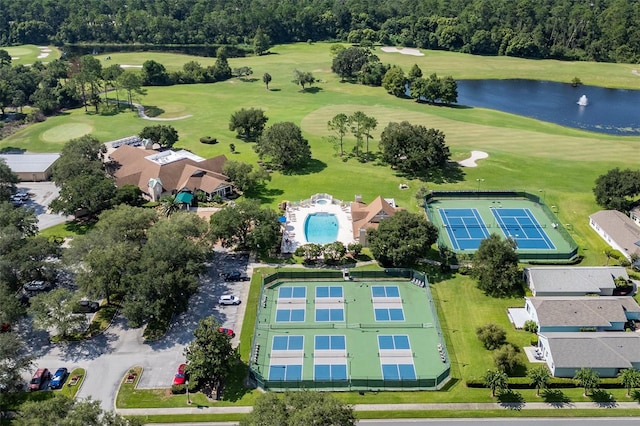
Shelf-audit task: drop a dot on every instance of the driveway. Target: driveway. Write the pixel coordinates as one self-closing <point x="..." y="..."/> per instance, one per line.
<point x="40" y="196"/>
<point x="107" y="357"/>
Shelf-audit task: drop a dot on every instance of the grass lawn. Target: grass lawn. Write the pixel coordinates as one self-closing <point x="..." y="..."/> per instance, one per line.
<point x="71" y="391"/>
<point x="27" y="54"/>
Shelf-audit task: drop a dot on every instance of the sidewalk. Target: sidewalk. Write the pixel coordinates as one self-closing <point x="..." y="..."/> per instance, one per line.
<point x="395" y="407"/>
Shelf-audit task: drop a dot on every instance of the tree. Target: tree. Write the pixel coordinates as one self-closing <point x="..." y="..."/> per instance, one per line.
<point x="154" y="74"/>
<point x="8" y="181"/>
<point x="261" y="42"/>
<point x="617" y="189"/>
<point x="449" y="90"/>
<point x="506" y="358"/>
<point x="244" y="177"/>
<point x="309" y="252"/>
<point x="358" y="124"/>
<point x="630" y="378"/>
<point x="81" y="156"/>
<point x="340" y="125"/>
<point x="588" y="379"/>
<point x="497" y="381"/>
<point x="334" y="252"/>
<point x="128" y="194"/>
<point x="132" y="83"/>
<point x="221" y="69"/>
<point x="495" y="267"/>
<point x="369" y="124"/>
<point x="64" y="411"/>
<point x="402" y="239"/>
<point x="299" y="408"/>
<point x="531" y="326"/>
<point x="90" y="73"/>
<point x="210" y="356"/>
<point x="5" y="58"/>
<point x="303" y="78"/>
<point x="394" y="81"/>
<point x="539" y="378"/>
<point x="55" y="310"/>
<point x="110" y="76"/>
<point x="245" y="226"/>
<point x="87" y="194"/>
<point x="165" y="136"/>
<point x="284" y="144"/>
<point x="491" y="335"/>
<point x="248" y="123"/>
<point x="14" y="361"/>
<point x="266" y="79"/>
<point x="414" y="150"/>
<point x="11" y="309"/>
<point x="169" y="205"/>
<point x="348" y="62"/>
<point x="414" y="73"/>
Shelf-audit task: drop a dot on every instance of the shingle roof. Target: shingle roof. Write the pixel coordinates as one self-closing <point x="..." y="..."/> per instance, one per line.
<point x="574" y="278"/>
<point x="594" y="350"/>
<point x="583" y="311"/>
<point x="134" y="168"/>
<point x="367" y="216"/>
<point x="620" y="228"/>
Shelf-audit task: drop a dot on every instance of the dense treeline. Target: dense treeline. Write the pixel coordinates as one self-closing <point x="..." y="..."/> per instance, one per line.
<point x="602" y="30"/>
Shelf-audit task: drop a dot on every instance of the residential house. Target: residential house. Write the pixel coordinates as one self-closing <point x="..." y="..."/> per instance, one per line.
<point x="618" y="230"/>
<point x="366" y="216"/>
<point x="573" y="280"/>
<point x="159" y="173"/>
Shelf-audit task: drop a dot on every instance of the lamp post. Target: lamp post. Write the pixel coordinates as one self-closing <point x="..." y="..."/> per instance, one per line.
<point x="544" y="195"/>
<point x="479" y="181"/>
<point x="188" y="399"/>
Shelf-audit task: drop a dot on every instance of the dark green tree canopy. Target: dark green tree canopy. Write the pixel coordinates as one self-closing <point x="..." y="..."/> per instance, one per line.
<point x="154" y="74"/>
<point x="299" y="408"/>
<point x="617" y="189"/>
<point x="495" y="267"/>
<point x="8" y="181"/>
<point x="414" y="150"/>
<point x="261" y="42"/>
<point x="303" y="78"/>
<point x="349" y="62"/>
<point x="402" y="239"/>
<point x="244" y="177"/>
<point x="248" y="123"/>
<point x="394" y="81"/>
<point x="164" y="135"/>
<point x="284" y="146"/>
<point x="13" y="362"/>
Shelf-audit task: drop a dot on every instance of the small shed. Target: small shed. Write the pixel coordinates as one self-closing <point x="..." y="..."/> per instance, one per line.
<point x="30" y="167"/>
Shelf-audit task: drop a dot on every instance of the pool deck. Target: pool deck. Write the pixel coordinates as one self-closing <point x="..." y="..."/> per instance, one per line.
<point x="296" y="215"/>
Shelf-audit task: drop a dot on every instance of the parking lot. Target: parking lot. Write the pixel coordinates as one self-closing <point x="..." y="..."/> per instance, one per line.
<point x="40" y="196"/>
<point x="109" y="356"/>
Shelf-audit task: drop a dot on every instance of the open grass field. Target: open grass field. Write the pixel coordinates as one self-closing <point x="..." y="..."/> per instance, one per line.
<point x="524" y="154"/>
<point x="27" y="54"/>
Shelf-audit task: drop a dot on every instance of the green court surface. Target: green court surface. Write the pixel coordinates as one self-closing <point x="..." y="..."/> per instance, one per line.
<point x="464" y="218"/>
<point x="362" y="334"/>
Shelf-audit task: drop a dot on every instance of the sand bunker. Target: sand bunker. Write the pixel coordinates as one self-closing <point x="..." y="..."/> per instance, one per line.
<point x="44" y="52"/>
<point x="130" y="66"/>
<point x="471" y="161"/>
<point x="402" y="50"/>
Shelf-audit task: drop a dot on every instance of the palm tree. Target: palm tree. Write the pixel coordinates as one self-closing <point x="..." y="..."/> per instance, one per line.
<point x="539" y="378"/>
<point x="588" y="379"/>
<point x="630" y="378"/>
<point x="496" y="381"/>
<point x="169" y="205"/>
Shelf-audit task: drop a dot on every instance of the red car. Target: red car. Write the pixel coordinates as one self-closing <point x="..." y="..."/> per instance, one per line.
<point x="39" y="379"/>
<point x="229" y="332"/>
<point x="180" y="376"/>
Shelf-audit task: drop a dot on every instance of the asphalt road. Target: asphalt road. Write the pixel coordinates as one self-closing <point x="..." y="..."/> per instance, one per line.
<point x="109" y="356"/>
<point x="41" y="195"/>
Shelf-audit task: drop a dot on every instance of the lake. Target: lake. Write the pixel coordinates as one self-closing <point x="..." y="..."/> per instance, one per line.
<point x="612" y="111"/>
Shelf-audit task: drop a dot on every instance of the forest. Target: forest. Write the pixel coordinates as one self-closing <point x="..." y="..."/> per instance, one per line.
<point x="595" y="30"/>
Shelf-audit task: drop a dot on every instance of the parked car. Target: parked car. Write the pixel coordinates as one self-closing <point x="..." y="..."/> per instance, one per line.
<point x="228" y="299"/>
<point x="86" y="306"/>
<point x="21" y="195"/>
<point x="39" y="379"/>
<point x="181" y="375"/>
<point x="235" y="276"/>
<point x="36" y="286"/>
<point x="5" y="327"/>
<point x="229" y="332"/>
<point x="58" y="378"/>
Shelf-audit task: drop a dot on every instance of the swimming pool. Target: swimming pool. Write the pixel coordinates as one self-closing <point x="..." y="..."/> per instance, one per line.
<point x="321" y="228"/>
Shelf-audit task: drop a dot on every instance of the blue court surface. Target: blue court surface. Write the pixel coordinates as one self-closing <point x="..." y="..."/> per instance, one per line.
<point x="522" y="226"/>
<point x="465" y="228"/>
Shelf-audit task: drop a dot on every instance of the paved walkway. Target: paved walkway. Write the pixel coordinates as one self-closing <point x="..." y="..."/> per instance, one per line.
<point x="395" y="407"/>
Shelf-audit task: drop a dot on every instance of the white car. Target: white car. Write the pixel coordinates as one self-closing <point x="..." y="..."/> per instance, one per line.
<point x="228" y="299"/>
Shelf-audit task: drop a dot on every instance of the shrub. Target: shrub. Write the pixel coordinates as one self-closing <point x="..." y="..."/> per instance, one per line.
<point x="491" y="335"/>
<point x="506" y="358"/>
<point x="530" y="326"/>
<point x="208" y="140"/>
<point x="178" y="389"/>
<point x="534" y="341"/>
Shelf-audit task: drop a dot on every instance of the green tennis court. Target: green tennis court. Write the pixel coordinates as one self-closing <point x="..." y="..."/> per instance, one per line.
<point x="348" y="335"/>
<point x="465" y="218"/>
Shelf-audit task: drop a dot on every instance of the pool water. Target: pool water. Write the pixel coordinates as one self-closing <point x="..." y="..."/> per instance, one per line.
<point x="322" y="201"/>
<point x="321" y="228"/>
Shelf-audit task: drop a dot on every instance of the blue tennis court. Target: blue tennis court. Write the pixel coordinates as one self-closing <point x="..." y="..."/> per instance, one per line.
<point x="465" y="228"/>
<point x="522" y="226"/>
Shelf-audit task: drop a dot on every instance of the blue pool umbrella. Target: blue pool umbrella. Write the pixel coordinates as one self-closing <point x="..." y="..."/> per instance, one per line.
<point x="282" y="219"/>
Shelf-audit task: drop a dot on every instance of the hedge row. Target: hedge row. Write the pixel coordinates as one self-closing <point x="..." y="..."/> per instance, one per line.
<point x="208" y="140"/>
<point x="554" y="383"/>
